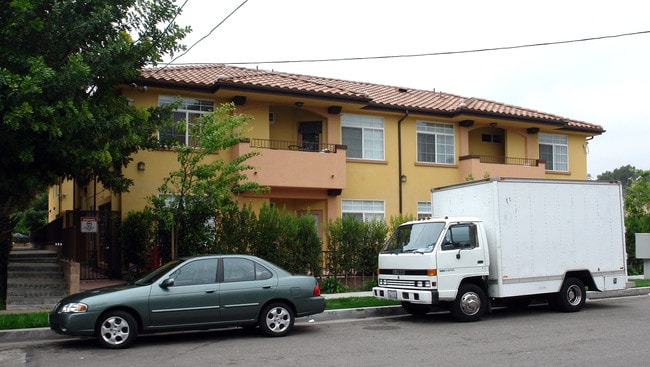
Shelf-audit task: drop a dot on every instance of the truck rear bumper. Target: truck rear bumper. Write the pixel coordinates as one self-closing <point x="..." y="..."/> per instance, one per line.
<point x="425" y="297"/>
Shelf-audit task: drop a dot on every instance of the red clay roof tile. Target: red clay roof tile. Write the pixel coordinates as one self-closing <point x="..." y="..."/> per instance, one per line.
<point x="376" y="96"/>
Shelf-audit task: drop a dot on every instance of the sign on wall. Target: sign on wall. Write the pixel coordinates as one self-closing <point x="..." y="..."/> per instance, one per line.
<point x="88" y="224"/>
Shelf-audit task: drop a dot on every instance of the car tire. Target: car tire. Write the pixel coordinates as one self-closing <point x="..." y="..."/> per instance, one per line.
<point x="276" y="319"/>
<point x="116" y="329"/>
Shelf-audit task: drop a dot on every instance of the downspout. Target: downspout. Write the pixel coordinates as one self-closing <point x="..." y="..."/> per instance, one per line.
<point x="399" y="156"/>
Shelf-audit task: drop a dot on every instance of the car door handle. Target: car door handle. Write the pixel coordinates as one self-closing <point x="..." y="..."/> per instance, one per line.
<point x="210" y="291"/>
<point x="480" y="262"/>
<point x="266" y="287"/>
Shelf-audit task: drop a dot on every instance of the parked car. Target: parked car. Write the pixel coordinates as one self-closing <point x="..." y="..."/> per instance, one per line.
<point x="197" y="293"/>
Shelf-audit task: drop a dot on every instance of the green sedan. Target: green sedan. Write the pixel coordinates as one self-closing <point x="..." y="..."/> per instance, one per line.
<point x="195" y="293"/>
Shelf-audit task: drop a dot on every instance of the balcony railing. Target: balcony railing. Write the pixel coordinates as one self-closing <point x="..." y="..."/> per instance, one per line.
<point x="288" y="165"/>
<point x="529" y="162"/>
<point x="293" y="145"/>
<point x="495" y="166"/>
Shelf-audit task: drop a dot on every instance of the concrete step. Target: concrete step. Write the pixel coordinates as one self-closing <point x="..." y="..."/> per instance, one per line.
<point x="29" y="283"/>
<point x="33" y="267"/>
<point x="43" y="303"/>
<point x="33" y="256"/>
<point x="34" y="280"/>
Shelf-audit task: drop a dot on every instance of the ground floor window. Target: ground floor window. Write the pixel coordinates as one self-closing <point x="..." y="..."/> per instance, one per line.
<point x="363" y="209"/>
<point x="424" y="209"/>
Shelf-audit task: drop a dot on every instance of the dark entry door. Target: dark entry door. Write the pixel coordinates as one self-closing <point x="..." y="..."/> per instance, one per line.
<point x="310" y="132"/>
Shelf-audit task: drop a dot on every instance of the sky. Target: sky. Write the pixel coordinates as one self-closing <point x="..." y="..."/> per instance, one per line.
<point x="605" y="81"/>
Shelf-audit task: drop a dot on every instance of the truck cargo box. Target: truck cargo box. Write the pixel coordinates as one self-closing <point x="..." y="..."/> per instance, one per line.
<point x="539" y="230"/>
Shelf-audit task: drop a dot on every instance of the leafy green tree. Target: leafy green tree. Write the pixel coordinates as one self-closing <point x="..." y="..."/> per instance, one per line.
<point x="625" y="175"/>
<point x="33" y="217"/>
<point x="205" y="183"/>
<point x="61" y="115"/>
<point x="637" y="216"/>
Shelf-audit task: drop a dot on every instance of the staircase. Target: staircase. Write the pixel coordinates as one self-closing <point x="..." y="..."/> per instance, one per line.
<point x="34" y="280"/>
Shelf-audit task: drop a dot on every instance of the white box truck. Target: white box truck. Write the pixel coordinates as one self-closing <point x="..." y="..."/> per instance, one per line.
<point x="506" y="241"/>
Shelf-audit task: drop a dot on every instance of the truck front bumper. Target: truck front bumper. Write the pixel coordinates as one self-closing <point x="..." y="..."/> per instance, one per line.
<point x="425" y="297"/>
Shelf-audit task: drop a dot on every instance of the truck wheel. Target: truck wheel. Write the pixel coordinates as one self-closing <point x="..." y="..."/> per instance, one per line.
<point x="572" y="295"/>
<point x="415" y="309"/>
<point x="470" y="303"/>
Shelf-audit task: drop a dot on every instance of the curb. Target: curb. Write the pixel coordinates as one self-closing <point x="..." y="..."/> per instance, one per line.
<point x="45" y="334"/>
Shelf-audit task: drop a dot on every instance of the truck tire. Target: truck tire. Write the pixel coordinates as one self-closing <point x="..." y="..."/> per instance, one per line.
<point x="572" y="296"/>
<point x="470" y="303"/>
<point x="415" y="309"/>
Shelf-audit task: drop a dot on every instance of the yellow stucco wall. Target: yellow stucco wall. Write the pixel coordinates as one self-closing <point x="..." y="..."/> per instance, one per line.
<point x="365" y="179"/>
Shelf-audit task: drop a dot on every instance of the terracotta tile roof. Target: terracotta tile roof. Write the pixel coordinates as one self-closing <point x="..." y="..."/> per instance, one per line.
<point x="374" y="96"/>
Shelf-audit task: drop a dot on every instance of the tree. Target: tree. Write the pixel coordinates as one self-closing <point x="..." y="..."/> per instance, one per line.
<point x="637" y="216"/>
<point x="205" y="183"/>
<point x="61" y="114"/>
<point x="625" y="175"/>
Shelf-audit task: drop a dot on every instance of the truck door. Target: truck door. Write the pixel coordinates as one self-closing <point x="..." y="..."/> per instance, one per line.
<point x="460" y="255"/>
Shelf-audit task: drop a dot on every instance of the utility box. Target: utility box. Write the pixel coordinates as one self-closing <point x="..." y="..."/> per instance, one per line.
<point x="642" y="241"/>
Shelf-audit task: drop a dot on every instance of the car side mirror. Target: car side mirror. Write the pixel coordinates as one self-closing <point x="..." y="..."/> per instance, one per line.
<point x="167" y="283"/>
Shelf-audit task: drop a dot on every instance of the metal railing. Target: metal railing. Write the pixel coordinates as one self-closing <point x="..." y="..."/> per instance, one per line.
<point x="293" y="145"/>
<point x="515" y="161"/>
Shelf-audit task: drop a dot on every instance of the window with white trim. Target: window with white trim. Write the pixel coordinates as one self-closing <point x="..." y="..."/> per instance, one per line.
<point x="435" y="142"/>
<point x="424" y="209"/>
<point x="554" y="149"/>
<point x="363" y="135"/>
<point x="365" y="210"/>
<point x="184" y="118"/>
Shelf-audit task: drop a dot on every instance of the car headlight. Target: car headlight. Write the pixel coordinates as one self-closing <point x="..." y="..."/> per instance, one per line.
<point x="74" y="307"/>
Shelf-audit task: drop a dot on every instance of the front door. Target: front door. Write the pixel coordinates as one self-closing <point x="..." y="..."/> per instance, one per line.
<point x="310" y="135"/>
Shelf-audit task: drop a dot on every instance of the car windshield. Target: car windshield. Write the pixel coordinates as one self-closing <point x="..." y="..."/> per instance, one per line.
<point x="157" y="273"/>
<point x="416" y="237"/>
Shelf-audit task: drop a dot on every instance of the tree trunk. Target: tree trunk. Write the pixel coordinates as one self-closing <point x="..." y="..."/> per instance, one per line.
<point x="6" y="228"/>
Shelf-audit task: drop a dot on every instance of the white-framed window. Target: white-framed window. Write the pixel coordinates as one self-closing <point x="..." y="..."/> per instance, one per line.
<point x="435" y="142"/>
<point x="366" y="210"/>
<point x="363" y="135"/>
<point x="554" y="149"/>
<point x="424" y="209"/>
<point x="184" y="118"/>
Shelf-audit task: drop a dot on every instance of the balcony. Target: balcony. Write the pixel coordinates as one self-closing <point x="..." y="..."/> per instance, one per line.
<point x="294" y="165"/>
<point x="478" y="166"/>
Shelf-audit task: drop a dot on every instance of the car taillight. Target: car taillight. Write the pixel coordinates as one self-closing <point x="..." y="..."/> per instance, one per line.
<point x="317" y="290"/>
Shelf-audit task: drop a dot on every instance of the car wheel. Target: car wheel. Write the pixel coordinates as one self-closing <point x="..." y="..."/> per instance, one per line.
<point x="117" y="329"/>
<point x="276" y="319"/>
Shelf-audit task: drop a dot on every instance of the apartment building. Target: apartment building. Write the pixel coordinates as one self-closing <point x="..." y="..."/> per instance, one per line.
<point x="337" y="147"/>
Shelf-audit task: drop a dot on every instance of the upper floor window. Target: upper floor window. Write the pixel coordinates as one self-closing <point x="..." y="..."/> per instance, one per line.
<point x="554" y="149"/>
<point x="363" y="135"/>
<point x="363" y="209"/>
<point x="435" y="142"/>
<point x="179" y="133"/>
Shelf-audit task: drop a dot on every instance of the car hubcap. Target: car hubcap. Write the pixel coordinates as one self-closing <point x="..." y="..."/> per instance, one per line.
<point x="470" y="303"/>
<point x="115" y="330"/>
<point x="278" y="319"/>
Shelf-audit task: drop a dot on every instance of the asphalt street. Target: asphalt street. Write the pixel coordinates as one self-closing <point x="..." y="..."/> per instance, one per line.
<point x="45" y="334"/>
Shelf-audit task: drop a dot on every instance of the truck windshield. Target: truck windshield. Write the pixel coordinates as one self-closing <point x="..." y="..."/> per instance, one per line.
<point x="416" y="237"/>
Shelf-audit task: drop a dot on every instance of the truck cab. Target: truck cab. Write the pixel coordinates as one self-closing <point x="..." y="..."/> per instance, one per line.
<point x="426" y="263"/>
